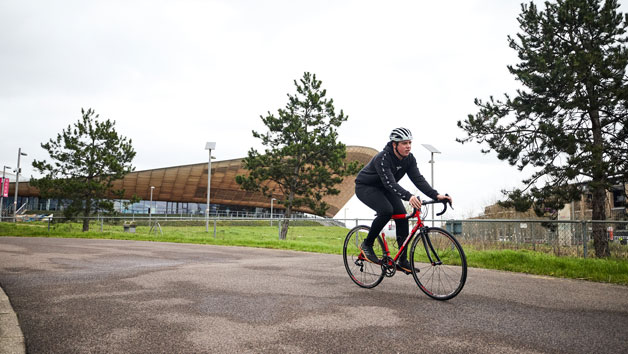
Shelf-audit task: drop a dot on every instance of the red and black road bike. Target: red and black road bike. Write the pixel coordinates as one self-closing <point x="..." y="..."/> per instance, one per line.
<point x="439" y="265"/>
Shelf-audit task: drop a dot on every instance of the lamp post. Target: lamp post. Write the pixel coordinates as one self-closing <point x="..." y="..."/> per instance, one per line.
<point x="210" y="145"/>
<point x="433" y="151"/>
<point x="271" y="210"/>
<point x="2" y="191"/>
<point x="17" y="182"/>
<point x="150" y="208"/>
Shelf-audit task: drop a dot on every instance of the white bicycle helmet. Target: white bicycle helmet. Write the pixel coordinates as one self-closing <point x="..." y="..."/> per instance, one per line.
<point x="400" y="134"/>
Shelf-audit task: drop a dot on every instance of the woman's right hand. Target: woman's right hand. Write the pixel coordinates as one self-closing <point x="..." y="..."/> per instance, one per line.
<point x="415" y="202"/>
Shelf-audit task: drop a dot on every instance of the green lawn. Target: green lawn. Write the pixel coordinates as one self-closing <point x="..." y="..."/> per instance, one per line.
<point x="329" y="240"/>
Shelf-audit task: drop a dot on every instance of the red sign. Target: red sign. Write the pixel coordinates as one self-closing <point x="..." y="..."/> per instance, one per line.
<point x="5" y="192"/>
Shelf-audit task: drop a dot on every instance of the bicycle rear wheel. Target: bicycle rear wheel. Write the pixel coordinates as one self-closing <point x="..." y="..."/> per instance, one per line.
<point x="439" y="264"/>
<point x="362" y="272"/>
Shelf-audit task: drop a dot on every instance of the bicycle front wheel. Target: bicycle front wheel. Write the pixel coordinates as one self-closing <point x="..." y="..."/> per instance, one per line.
<point x="362" y="272"/>
<point x="439" y="265"/>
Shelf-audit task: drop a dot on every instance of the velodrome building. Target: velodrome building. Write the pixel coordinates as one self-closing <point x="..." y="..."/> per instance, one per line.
<point x="183" y="190"/>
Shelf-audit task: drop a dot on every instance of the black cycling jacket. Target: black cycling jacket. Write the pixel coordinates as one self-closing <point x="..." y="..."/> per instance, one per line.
<point x="385" y="170"/>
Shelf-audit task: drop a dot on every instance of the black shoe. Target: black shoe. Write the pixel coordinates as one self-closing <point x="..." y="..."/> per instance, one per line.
<point x="368" y="253"/>
<point x="404" y="266"/>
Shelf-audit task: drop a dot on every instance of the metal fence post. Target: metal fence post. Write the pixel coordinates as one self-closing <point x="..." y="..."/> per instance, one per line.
<point x="214" y="227"/>
<point x="584" y="238"/>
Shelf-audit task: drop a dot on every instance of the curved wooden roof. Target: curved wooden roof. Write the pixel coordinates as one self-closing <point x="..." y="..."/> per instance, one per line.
<point x="188" y="183"/>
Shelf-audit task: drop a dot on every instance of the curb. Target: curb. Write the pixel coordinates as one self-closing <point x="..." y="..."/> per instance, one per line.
<point x="11" y="337"/>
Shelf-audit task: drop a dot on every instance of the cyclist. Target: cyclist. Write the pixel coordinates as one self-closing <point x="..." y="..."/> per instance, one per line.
<point x="376" y="186"/>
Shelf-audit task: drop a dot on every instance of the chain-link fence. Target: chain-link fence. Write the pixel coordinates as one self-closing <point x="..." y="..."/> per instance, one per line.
<point x="558" y="237"/>
<point x="162" y="224"/>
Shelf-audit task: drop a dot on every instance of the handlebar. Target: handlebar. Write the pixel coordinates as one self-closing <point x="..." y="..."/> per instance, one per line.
<point x="416" y="211"/>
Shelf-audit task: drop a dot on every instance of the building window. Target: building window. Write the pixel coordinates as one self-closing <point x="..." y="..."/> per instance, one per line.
<point x="619" y="197"/>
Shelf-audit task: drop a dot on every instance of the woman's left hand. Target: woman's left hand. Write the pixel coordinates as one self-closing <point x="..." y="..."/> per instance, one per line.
<point x="441" y="197"/>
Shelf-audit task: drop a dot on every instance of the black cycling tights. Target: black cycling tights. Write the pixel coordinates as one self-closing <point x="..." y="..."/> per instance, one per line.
<point x="386" y="204"/>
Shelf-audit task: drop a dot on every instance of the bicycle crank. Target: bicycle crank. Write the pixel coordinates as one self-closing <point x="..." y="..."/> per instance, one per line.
<point x="388" y="266"/>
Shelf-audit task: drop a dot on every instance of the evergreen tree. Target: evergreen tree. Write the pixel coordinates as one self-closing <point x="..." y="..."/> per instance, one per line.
<point x="569" y="120"/>
<point x="302" y="156"/>
<point x="87" y="158"/>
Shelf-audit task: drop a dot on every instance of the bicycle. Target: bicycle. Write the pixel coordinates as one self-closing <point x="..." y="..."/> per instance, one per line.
<point x="439" y="265"/>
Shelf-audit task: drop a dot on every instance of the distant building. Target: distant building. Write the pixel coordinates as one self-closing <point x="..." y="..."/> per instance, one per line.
<point x="566" y="232"/>
<point x="183" y="190"/>
<point x="576" y="210"/>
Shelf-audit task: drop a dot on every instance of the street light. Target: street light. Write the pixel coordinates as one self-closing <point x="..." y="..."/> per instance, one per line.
<point x="433" y="151"/>
<point x="271" y="210"/>
<point x="150" y="207"/>
<point x="2" y="191"/>
<point x="17" y="182"/>
<point x="210" y="145"/>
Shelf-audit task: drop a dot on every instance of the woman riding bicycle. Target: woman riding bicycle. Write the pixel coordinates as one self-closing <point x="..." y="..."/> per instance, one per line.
<point x="376" y="186"/>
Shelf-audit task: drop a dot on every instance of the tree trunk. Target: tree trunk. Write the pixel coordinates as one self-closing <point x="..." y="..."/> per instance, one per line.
<point x="598" y="188"/>
<point x="86" y="213"/>
<point x="600" y="241"/>
<point x="284" y="228"/>
<point x="85" y="223"/>
<point x="284" y="224"/>
<point x="286" y="218"/>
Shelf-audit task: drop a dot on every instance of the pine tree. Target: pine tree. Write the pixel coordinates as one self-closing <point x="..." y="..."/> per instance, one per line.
<point x="302" y="156"/>
<point x="569" y="121"/>
<point x="87" y="158"/>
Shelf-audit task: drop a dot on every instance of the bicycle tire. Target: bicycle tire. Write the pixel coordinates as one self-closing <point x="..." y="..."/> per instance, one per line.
<point x="444" y="280"/>
<point x="365" y="274"/>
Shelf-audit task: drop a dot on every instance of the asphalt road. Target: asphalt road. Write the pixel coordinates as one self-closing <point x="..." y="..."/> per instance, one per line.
<point x="107" y="296"/>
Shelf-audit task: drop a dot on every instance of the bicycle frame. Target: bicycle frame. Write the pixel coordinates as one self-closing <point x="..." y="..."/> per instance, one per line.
<point x="420" y="227"/>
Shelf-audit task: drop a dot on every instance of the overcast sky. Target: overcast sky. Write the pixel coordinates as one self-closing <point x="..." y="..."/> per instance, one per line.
<point x="175" y="74"/>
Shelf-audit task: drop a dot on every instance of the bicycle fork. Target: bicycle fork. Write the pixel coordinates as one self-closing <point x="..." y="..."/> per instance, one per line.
<point x="429" y="248"/>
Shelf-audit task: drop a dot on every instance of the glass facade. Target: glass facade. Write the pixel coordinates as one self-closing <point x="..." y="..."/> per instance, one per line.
<point x="43" y="205"/>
